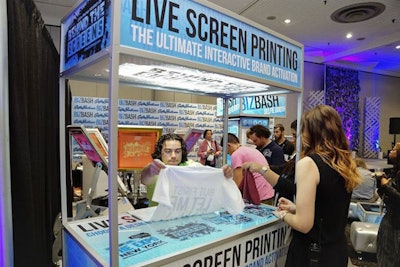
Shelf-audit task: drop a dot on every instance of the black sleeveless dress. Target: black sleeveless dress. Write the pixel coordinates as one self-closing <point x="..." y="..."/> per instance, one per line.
<point x="331" y="209"/>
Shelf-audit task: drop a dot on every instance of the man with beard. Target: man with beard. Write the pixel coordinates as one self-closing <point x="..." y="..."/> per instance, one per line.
<point x="280" y="139"/>
<point x="260" y="135"/>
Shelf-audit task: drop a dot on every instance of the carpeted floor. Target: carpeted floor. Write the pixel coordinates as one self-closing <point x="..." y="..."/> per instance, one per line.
<point x="362" y="260"/>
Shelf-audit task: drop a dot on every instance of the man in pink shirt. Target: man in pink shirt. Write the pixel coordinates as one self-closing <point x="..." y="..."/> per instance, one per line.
<point x="241" y="154"/>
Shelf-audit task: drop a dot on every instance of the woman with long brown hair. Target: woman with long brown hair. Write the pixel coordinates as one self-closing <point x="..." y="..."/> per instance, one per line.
<point x="326" y="174"/>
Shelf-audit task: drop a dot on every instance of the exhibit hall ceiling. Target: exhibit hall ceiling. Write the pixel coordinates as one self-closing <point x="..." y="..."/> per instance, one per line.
<point x="353" y="34"/>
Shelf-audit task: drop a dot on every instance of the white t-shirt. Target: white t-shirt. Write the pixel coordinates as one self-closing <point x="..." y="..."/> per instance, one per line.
<point x="192" y="190"/>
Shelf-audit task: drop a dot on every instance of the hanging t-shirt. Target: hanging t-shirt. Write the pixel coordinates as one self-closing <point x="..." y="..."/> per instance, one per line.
<point x="248" y="188"/>
<point x="192" y="190"/>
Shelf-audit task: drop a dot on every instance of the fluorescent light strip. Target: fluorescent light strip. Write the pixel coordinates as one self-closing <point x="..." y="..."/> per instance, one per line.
<point x="187" y="79"/>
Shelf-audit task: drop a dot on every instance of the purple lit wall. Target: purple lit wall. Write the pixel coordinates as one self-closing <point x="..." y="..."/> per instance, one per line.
<point x="342" y="88"/>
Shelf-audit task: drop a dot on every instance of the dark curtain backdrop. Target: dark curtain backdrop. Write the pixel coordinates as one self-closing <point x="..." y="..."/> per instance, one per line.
<point x="34" y="134"/>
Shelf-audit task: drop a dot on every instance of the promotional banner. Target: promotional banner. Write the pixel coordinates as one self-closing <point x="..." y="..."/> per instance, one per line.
<point x="192" y="31"/>
<point x="262" y="105"/>
<point x="92" y="112"/>
<point x="86" y="32"/>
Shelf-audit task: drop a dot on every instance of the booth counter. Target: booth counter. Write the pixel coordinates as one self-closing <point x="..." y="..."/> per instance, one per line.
<point x="188" y="47"/>
<point x="254" y="238"/>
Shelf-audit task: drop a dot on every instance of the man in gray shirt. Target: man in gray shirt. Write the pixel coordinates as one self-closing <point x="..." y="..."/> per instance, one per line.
<point x="367" y="189"/>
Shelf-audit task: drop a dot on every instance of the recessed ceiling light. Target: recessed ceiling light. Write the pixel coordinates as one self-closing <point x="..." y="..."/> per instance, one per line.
<point x="349" y="35"/>
<point x="287" y="21"/>
<point x="398" y="47"/>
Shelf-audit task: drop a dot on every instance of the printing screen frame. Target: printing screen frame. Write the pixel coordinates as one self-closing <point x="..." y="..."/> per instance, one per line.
<point x="192" y="137"/>
<point x="136" y="143"/>
<point x="98" y="140"/>
<point x="88" y="146"/>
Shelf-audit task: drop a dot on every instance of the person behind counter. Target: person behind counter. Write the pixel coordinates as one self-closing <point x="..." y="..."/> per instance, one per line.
<point x="209" y="150"/>
<point x="388" y="239"/>
<point x="170" y="149"/>
<point x="326" y="174"/>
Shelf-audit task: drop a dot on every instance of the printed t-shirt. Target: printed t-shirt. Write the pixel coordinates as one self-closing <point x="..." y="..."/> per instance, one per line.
<point x="193" y="190"/>
<point x="150" y="188"/>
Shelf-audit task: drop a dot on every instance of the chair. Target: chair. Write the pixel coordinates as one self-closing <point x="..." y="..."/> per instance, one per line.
<point x="363" y="236"/>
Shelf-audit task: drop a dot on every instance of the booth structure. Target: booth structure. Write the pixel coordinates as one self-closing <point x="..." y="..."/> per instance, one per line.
<point x="184" y="46"/>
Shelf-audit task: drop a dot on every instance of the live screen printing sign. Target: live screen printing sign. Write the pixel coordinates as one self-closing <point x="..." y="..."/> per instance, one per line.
<point x="192" y="31"/>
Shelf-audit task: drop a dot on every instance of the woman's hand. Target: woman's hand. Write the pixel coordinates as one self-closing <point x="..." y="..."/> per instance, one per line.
<point x="285" y="204"/>
<point x="228" y="173"/>
<point x="384" y="180"/>
<point x="252" y="167"/>
<point x="381" y="179"/>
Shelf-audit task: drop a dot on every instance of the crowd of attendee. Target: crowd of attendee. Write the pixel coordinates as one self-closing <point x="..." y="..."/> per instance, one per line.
<point x="313" y="195"/>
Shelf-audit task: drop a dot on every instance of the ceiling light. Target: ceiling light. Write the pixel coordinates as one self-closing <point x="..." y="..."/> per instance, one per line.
<point x="349" y="35"/>
<point x="398" y="47"/>
<point x="287" y="21"/>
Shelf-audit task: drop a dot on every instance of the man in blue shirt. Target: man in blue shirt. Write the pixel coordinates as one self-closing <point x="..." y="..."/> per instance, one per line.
<point x="260" y="135"/>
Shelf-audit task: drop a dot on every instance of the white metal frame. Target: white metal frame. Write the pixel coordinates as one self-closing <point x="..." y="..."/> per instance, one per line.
<point x="113" y="52"/>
